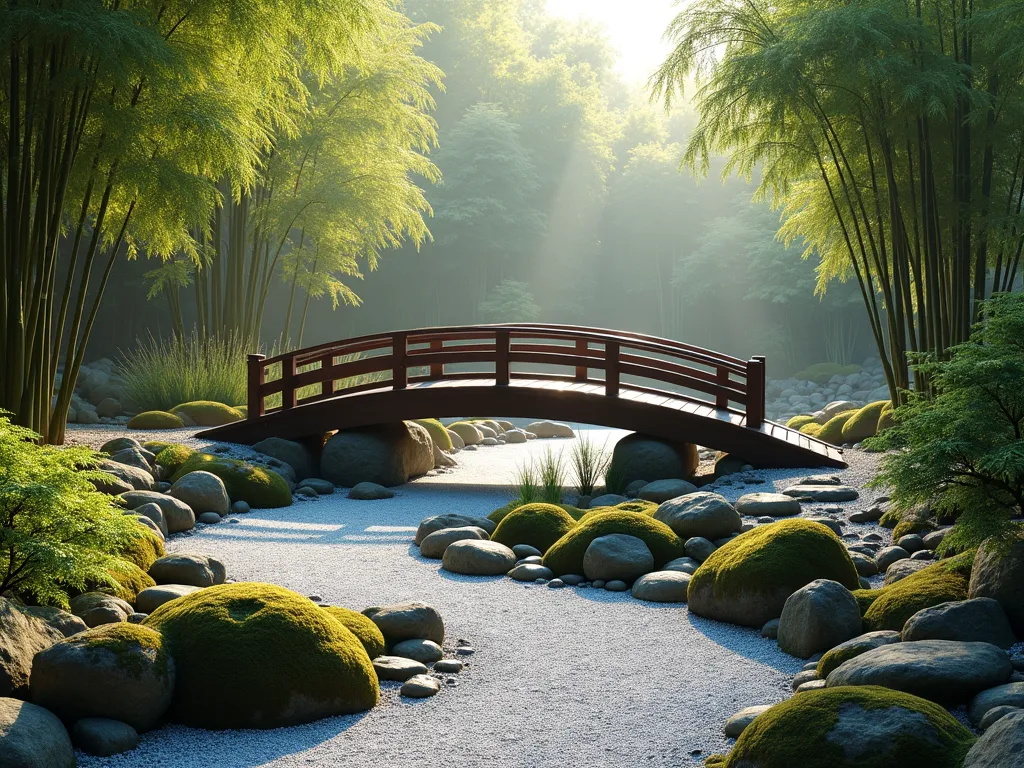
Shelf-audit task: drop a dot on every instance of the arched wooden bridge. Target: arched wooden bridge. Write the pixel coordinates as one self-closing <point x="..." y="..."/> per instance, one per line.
<point x="611" y="378"/>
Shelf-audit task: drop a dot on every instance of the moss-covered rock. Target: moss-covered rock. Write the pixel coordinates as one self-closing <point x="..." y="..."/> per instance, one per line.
<point x="813" y="429"/>
<point x="251" y="655"/>
<point x="362" y="627"/>
<point x="886" y="418"/>
<point x="566" y="554"/>
<point x="172" y="456"/>
<point x="259" y="487"/>
<point x="503" y="511"/>
<point x="438" y="433"/>
<point x="155" y="420"/>
<point x="852" y="727"/>
<point x="912" y="525"/>
<point x="467" y="431"/>
<point x="207" y="413"/>
<point x="864" y="423"/>
<point x="747" y="580"/>
<point x="890" y="607"/>
<point x="144" y="547"/>
<point x="129" y="580"/>
<point x="800" y="421"/>
<point x="832" y="430"/>
<point x="539" y="525"/>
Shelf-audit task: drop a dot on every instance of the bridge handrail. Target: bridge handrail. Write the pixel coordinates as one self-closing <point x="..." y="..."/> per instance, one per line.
<point x="728" y="379"/>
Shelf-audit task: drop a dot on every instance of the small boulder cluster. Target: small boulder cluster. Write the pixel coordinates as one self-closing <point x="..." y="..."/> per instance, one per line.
<point x="468" y="434"/>
<point x="99" y="396"/>
<point x="845" y="423"/>
<point x="812" y="389"/>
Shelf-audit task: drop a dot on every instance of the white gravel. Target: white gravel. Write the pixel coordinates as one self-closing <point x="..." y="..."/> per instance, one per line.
<point x="569" y="677"/>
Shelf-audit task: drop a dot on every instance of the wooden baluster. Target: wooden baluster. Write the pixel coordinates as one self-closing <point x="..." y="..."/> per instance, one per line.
<point x="399" y="353"/>
<point x="501" y="364"/>
<point x="288" y="382"/>
<point x="255" y="381"/>
<point x="755" y="391"/>
<point x="326" y="363"/>
<point x="722" y="380"/>
<point x="436" y="369"/>
<point x="611" y="368"/>
<point x="582" y="345"/>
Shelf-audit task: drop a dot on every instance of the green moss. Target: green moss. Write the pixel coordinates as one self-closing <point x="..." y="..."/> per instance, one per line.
<point x="252" y="655"/>
<point x="864" y="423"/>
<point x="244" y="410"/>
<point x="566" y="554"/>
<point x="639" y="506"/>
<point x="890" y="607"/>
<point x="890" y="518"/>
<point x="362" y="627"/>
<point x="539" y="525"/>
<point x="172" y="456"/>
<point x="129" y="580"/>
<point x="155" y="420"/>
<point x="438" y="433"/>
<point x="207" y="413"/>
<point x="832" y="430"/>
<point x="813" y="429"/>
<point x="501" y="512"/>
<point x="908" y="526"/>
<point x="261" y="488"/>
<point x="155" y="446"/>
<point x="142" y="549"/>
<point x="125" y="641"/>
<point x="886" y="418"/>
<point x="800" y="421"/>
<point x="796" y="733"/>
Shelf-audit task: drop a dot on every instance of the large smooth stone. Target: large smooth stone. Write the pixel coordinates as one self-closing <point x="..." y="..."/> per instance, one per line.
<point x="295" y="455"/>
<point x="663" y="490"/>
<point x="126" y="475"/>
<point x="22" y="636"/>
<point x="617" y="556"/>
<point x="1008" y="694"/>
<point x="386" y="454"/>
<point x="478" y="558"/>
<point x="943" y="671"/>
<point x="767" y="504"/>
<point x="998" y="572"/>
<point x="903" y="568"/>
<point x="703" y="514"/>
<point x="823" y="492"/>
<point x="152" y="598"/>
<point x="64" y="622"/>
<point x="1001" y="746"/>
<point x="369" y="492"/>
<point x="531" y="572"/>
<point x="855" y="647"/>
<point x="183" y="568"/>
<point x="979" y="620"/>
<point x="434" y="545"/>
<point x="420" y="687"/>
<point x="738" y="723"/>
<point x="203" y="492"/>
<point x="440" y="522"/>
<point x="97" y="608"/>
<point x="407" y="621"/>
<point x="398" y="668"/>
<point x="662" y="587"/>
<point x="650" y="458"/>
<point x="32" y="737"/>
<point x="178" y="516"/>
<point x="547" y="429"/>
<point x="818" y="617"/>
<point x="103" y="737"/>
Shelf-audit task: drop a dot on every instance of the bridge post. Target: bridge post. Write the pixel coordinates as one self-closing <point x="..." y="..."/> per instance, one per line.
<point x="436" y="369"/>
<point x="755" y="391"/>
<point x="722" y="379"/>
<point x="254" y="382"/>
<point x="288" y="382"/>
<point x="501" y="365"/>
<point x="582" y="345"/>
<point x="611" y="368"/>
<point x="399" y="352"/>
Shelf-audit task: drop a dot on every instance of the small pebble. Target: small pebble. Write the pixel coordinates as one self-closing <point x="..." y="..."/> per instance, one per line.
<point x="615" y="585"/>
<point x="450" y="666"/>
<point x="556" y="583"/>
<point x="465" y="650"/>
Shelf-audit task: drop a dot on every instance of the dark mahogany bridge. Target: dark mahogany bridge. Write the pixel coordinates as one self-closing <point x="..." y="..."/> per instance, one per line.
<point x="631" y="381"/>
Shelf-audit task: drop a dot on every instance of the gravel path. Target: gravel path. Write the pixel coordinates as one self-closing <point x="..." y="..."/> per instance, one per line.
<point x="570" y="677"/>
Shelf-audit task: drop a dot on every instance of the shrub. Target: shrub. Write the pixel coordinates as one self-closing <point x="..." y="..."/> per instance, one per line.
<point x="539" y="525"/>
<point x="207" y="413"/>
<point x="362" y="627"/>
<point x="160" y="374"/>
<point x="252" y="655"/>
<point x="57" y="532"/>
<point x="155" y="420"/>
<point x="438" y="433"/>
<point x="864" y="423"/>
<point x="566" y="554"/>
<point x="797" y="422"/>
<point x="832" y="430"/>
<point x="963" y="450"/>
<point x="589" y="464"/>
<point x="890" y="607"/>
<point x="261" y="488"/>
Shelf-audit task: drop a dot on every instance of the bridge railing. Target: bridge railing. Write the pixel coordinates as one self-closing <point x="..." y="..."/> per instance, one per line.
<point x="622" y="363"/>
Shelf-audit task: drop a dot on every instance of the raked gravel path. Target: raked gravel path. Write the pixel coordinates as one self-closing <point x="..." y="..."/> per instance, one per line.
<point x="560" y="677"/>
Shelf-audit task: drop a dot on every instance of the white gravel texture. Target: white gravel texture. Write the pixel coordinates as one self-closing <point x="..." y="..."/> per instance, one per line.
<point x="560" y="677"/>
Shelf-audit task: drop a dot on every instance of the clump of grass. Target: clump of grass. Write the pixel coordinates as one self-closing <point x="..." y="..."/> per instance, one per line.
<point x="525" y="485"/>
<point x="540" y="479"/>
<point x="162" y="373"/>
<point x="589" y="463"/>
<point x="616" y="477"/>
<point x="552" y="477"/>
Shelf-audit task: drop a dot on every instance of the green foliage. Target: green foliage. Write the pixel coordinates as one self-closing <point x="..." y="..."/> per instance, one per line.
<point x="163" y="373"/>
<point x="890" y="607"/>
<point x="207" y="413"/>
<point x="510" y="301"/>
<point x="369" y="634"/>
<point x="261" y="488"/>
<point x="566" y="554"/>
<point x="589" y="463"/>
<point x="525" y="485"/>
<point x="219" y="635"/>
<point x="155" y="420"/>
<point x="438" y="433"/>
<point x="798" y="732"/>
<point x="539" y="525"/>
<point x="142" y="549"/>
<point x="551" y="474"/>
<point x="172" y="456"/>
<point x="963" y="451"/>
<point x="57" y="532"/>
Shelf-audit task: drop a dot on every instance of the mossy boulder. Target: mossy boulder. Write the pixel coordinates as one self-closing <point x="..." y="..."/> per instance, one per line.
<point x="566" y="554"/>
<point x="910" y="525"/>
<point x="251" y="655"/>
<point x="886" y="418"/>
<point x="362" y="627"/>
<point x="813" y="429"/>
<point x="155" y="420"/>
<point x="467" y="431"/>
<point x="259" y="487"/>
<point x="129" y="580"/>
<point x="747" y="580"/>
<point x="207" y="413"/>
<point x="832" y="430"/>
<point x="890" y="607"/>
<point x="800" y="421"/>
<point x="172" y="456"/>
<point x="539" y="525"/>
<point x="852" y="727"/>
<point x="574" y="512"/>
<point x="142" y="549"/>
<point x="864" y="423"/>
<point x="438" y="433"/>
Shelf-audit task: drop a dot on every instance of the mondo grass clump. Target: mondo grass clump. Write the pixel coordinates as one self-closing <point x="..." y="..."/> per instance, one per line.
<point x="160" y="374"/>
<point x="566" y="554"/>
<point x="589" y="463"/>
<point x="539" y="525"/>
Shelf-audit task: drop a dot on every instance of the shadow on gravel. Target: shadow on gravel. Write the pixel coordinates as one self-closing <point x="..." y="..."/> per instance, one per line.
<point x="747" y="642"/>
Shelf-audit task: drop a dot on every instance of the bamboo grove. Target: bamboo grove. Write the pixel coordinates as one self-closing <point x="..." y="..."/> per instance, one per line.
<point x="890" y="135"/>
<point x="153" y="126"/>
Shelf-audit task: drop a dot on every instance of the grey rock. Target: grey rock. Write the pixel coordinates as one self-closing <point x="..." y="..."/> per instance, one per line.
<point x="66" y="623"/>
<point x="979" y="620"/>
<point x="137" y="618"/>
<point x="434" y="545"/>
<point x="152" y="598"/>
<point x="596" y="584"/>
<point x="934" y="538"/>
<point x="556" y="584"/>
<point x="662" y="587"/>
<point x="682" y="564"/>
<point x="31" y="737"/>
<point x="698" y="548"/>
<point x="153" y="512"/>
<point x="407" y="621"/>
<point x="923" y="554"/>
<point x="865" y="565"/>
<point x="119" y="444"/>
<point x="489" y="441"/>
<point x="423" y="686"/>
<point x="767" y="505"/>
<point x="515" y="436"/>
<point x="817" y="617"/>
<point x="903" y="568"/>
<point x="103" y="737"/>
<point x="525" y="550"/>
<point x="203" y="492"/>
<point x="178" y="515"/>
<point x="770" y="629"/>
<point x="449" y="666"/>
<point x="1001" y="746"/>
<point x="810" y="685"/>
<point x="998" y="572"/>
<point x="294" y="454"/>
<point x="617" y="556"/>
<point x="209" y="518"/>
<point x="944" y="671"/>
<point x="387" y="454"/>
<point x="125" y="478"/>
<point x="616" y="585"/>
<point x="548" y="429"/>
<point x="1009" y="694"/>
<point x="823" y="492"/>
<point x="821" y="480"/>
<point x="96" y="608"/>
<point x="870" y="515"/>
<point x="649" y="458"/>
<point x="993" y="716"/>
<point x="307" y="493"/>
<point x="423" y="651"/>
<point x="834" y="525"/>
<point x="855" y="647"/>
<point x="572" y="579"/>
<point x="133" y="457"/>
<point x="531" y="572"/>
<point x="700" y="514"/>
<point x="397" y="668"/>
<point x="804" y="676"/>
<point x="663" y="490"/>
<point x="240" y="507"/>
<point x="440" y="522"/>
<point x="607" y="500"/>
<point x="322" y="487"/>
<point x="531" y="560"/>
<point x="22" y="636"/>
<point x="738" y="723"/>
<point x="911" y="542"/>
<point x="890" y="555"/>
<point x="191" y="569"/>
<point x="478" y="558"/>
